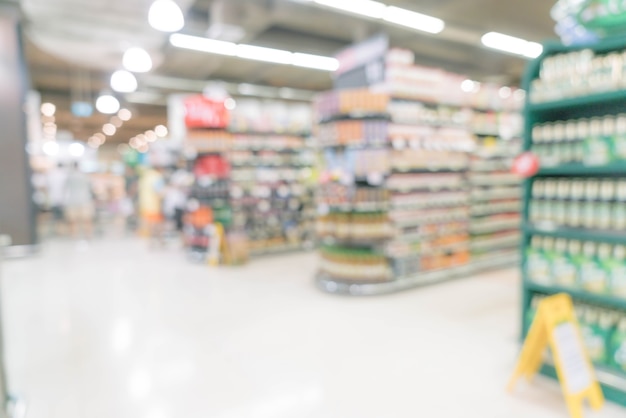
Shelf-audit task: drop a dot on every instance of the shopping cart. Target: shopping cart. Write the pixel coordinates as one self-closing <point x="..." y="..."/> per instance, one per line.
<point x="10" y="406"/>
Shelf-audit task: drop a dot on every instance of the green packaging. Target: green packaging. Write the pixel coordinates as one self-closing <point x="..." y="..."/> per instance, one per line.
<point x="619" y="141"/>
<point x="593" y="277"/>
<point x="596" y="148"/>
<point x="563" y="267"/>
<point x="616" y="266"/>
<point x="594" y="335"/>
<point x="617" y="347"/>
<point x="537" y="264"/>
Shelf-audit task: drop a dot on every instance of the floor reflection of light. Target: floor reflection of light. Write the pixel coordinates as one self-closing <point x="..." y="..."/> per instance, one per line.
<point x="122" y="335"/>
<point x="287" y="404"/>
<point x="139" y="384"/>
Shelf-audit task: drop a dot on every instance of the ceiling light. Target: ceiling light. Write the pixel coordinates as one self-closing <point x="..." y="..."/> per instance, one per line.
<point x="101" y="137"/>
<point x="512" y="45"/>
<point x="203" y="44"/>
<point x="259" y="53"/>
<point x="469" y="86"/>
<point x="107" y="104"/>
<point x="108" y="129"/>
<point x="277" y="56"/>
<point x="116" y="121"/>
<point x="161" y="130"/>
<point x="413" y="20"/>
<point x="137" y="60"/>
<point x="93" y="142"/>
<point x="123" y="81"/>
<point x="76" y="149"/>
<point x="315" y="61"/>
<point x="50" y="148"/>
<point x="504" y="92"/>
<point x="367" y="8"/>
<point x="166" y="16"/>
<point x="151" y="136"/>
<point x="230" y="104"/>
<point x="125" y="115"/>
<point x="48" y="109"/>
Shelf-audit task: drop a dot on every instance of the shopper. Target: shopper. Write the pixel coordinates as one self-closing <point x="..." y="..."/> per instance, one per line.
<point x="55" y="184"/>
<point x="151" y="189"/>
<point x="175" y="197"/>
<point x="79" y="205"/>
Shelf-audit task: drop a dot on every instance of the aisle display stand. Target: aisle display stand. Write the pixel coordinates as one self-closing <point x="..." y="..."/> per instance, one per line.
<point x="254" y="169"/>
<point x="394" y="201"/>
<point x="575" y="207"/>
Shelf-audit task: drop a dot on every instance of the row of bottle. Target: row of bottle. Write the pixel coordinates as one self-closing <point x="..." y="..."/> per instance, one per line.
<point x="354" y="265"/>
<point x="603" y="332"/>
<point x="575" y="214"/>
<point x="580" y="188"/>
<point x="346" y="197"/>
<point x="346" y="226"/>
<point x="579" y="73"/>
<point x="593" y="267"/>
<point x="353" y="132"/>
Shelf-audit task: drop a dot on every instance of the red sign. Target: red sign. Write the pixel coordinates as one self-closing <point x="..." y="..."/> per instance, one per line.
<point x="526" y="165"/>
<point x="201" y="112"/>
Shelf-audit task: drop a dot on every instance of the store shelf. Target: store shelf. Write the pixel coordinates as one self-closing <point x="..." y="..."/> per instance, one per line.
<point x="330" y="285"/>
<point x="578" y="169"/>
<point x="357" y="115"/>
<point x="279" y="249"/>
<point x="358" y="208"/>
<point x="550" y="230"/>
<point x="582" y="102"/>
<point x="353" y="242"/>
<point x="494" y="227"/>
<point x="496" y="243"/>
<point x="582" y="295"/>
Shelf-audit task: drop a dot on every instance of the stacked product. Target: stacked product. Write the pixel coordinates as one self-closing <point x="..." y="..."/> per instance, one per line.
<point x="272" y="174"/>
<point x="353" y="222"/>
<point x="395" y="181"/>
<point x="266" y="191"/>
<point x="496" y="191"/>
<point x="574" y="239"/>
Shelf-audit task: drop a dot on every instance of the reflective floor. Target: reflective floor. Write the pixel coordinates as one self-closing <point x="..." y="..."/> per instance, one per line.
<point x="114" y="329"/>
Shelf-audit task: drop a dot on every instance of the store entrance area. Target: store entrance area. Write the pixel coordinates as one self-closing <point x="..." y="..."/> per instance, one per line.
<point x="115" y="329"/>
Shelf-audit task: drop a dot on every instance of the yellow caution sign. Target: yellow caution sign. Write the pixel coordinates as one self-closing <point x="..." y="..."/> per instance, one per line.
<point x="556" y="326"/>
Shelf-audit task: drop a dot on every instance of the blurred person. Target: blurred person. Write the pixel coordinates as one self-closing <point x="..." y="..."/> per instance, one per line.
<point x="79" y="204"/>
<point x="130" y="201"/>
<point x="175" y="197"/>
<point x="151" y="188"/>
<point x="55" y="184"/>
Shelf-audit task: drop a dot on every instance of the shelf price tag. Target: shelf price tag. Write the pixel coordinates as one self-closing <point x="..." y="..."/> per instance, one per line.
<point x="556" y="326"/>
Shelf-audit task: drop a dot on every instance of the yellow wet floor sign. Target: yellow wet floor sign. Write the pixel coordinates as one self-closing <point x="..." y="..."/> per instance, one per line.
<point x="556" y="326"/>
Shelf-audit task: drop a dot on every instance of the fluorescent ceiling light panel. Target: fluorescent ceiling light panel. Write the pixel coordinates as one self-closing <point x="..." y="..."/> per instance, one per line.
<point x="315" y="61"/>
<point x="512" y="45"/>
<point x="368" y="8"/>
<point x="413" y="20"/>
<point x="197" y="43"/>
<point x="259" y="53"/>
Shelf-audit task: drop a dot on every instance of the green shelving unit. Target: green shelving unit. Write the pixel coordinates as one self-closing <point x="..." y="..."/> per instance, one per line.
<point x="590" y="105"/>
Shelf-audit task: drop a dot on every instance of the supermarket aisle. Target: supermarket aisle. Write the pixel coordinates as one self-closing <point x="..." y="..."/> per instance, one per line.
<point x="118" y="331"/>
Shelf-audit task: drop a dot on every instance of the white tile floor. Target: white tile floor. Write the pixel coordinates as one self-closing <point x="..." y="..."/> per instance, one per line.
<point x="119" y="331"/>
